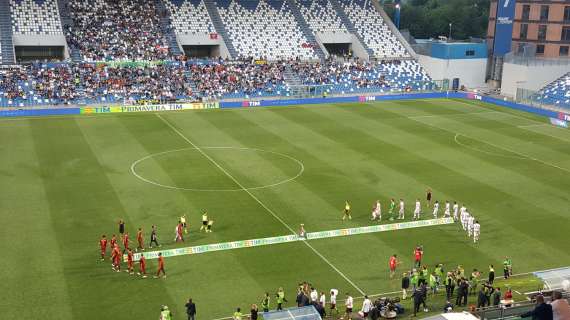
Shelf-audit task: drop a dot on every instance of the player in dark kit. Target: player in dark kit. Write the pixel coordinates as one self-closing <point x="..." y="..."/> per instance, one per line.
<point x="121" y="228"/>
<point x="153" y="237"/>
<point x="428" y="197"/>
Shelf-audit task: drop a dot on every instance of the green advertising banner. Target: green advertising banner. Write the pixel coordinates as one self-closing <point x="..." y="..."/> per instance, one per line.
<point x="292" y="238"/>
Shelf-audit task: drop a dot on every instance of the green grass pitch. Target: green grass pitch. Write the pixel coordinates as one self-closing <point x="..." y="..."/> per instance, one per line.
<point x="67" y="180"/>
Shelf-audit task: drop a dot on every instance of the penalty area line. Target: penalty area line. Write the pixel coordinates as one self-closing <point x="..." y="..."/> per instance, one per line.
<point x="257" y="200"/>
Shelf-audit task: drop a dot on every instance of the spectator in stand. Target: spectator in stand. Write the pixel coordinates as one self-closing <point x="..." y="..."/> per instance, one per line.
<point x="542" y="311"/>
<point x="560" y="307"/>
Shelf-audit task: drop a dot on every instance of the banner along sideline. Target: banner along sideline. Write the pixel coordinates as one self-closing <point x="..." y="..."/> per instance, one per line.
<point x="291" y="238"/>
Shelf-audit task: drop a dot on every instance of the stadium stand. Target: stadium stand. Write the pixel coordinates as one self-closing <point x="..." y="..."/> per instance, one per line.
<point x="189" y="17"/>
<point x="264" y="29"/>
<point x="556" y="93"/>
<point x="372" y="29"/>
<point x="33" y="17"/>
<point x="117" y="30"/>
<point x="321" y="16"/>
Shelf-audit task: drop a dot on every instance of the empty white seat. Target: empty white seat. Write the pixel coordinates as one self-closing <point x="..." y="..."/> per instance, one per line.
<point x="265" y="28"/>
<point x="373" y="30"/>
<point x="31" y="17"/>
<point x="189" y="18"/>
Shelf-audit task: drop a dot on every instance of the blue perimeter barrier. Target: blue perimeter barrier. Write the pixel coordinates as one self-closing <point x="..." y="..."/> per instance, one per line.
<point x="349" y="99"/>
<point x="39" y="112"/>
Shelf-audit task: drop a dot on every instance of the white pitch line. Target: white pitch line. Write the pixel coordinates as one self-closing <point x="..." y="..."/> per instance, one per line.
<point x="543" y="133"/>
<point x="450" y="115"/>
<point x="497" y="146"/>
<point x="258" y="201"/>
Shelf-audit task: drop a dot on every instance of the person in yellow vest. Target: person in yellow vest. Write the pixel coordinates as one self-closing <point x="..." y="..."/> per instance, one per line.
<point x="165" y="313"/>
<point x="346" y="211"/>
<point x="237" y="315"/>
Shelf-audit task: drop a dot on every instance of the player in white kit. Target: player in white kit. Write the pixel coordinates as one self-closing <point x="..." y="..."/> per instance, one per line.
<point x="470" y="224"/>
<point x="463" y="216"/>
<point x="401" y="210"/>
<point x="447" y="212"/>
<point x="377" y="211"/>
<point x="435" y="209"/>
<point x="417" y="210"/>
<point x="455" y="211"/>
<point x="476" y="231"/>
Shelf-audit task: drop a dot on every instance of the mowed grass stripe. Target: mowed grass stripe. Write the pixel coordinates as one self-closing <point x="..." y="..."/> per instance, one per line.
<point x="31" y="254"/>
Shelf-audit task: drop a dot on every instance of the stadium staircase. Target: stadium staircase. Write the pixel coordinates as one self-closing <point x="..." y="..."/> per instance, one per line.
<point x="290" y="77"/>
<point x="220" y="28"/>
<point x="393" y="27"/>
<point x="319" y="51"/>
<point x="66" y="22"/>
<point x="166" y="26"/>
<point x="6" y="43"/>
<point x="350" y="26"/>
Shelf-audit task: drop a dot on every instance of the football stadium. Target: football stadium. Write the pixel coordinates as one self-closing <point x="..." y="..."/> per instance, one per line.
<point x="285" y="159"/>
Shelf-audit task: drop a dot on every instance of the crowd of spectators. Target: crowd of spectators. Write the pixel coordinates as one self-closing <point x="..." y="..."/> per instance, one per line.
<point x="116" y="30"/>
<point x="61" y="83"/>
<point x="362" y="74"/>
<point x="178" y="79"/>
<point x="55" y="83"/>
<point x="221" y="79"/>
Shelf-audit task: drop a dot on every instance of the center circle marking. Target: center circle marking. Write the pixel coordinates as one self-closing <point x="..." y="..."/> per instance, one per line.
<point x="158" y="184"/>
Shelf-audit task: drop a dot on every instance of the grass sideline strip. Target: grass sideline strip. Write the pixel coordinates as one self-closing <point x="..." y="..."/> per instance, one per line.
<point x="291" y="238"/>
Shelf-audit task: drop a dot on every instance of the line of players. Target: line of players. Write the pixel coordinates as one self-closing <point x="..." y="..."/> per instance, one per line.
<point x="116" y="253"/>
<point x="468" y="222"/>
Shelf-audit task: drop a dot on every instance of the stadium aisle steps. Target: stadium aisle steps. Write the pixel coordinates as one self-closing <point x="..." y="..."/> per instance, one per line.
<point x="67" y="21"/>
<point x="306" y="29"/>
<point x="350" y="26"/>
<point x="6" y="43"/>
<point x="166" y="26"/>
<point x="219" y="25"/>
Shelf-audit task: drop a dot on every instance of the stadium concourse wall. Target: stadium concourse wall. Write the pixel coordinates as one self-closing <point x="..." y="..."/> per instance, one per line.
<point x="89" y="110"/>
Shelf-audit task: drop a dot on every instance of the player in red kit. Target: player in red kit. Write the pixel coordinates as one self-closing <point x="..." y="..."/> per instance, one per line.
<point x="393" y="264"/>
<point x="418" y="254"/>
<point x="116" y="257"/>
<point x="113" y="241"/>
<point x="125" y="241"/>
<point x="140" y="240"/>
<point x="103" y="245"/>
<point x="130" y="262"/>
<point x="142" y="266"/>
<point x="160" y="266"/>
<point x="179" y="230"/>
